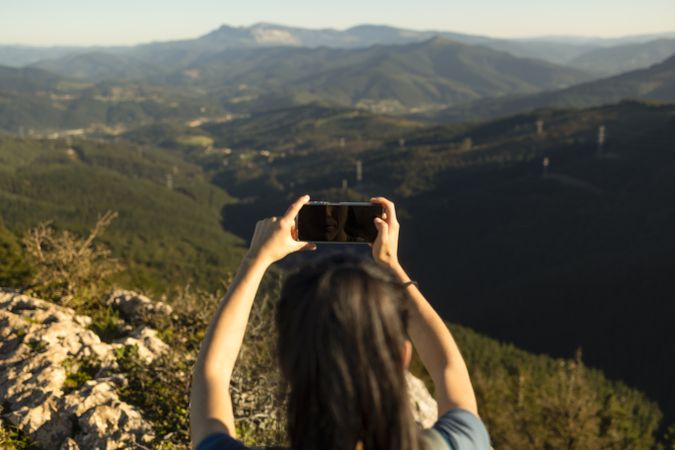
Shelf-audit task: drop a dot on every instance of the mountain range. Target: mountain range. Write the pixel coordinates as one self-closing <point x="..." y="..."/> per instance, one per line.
<point x="656" y="83"/>
<point x="427" y="74"/>
<point x="580" y="53"/>
<point x="119" y="90"/>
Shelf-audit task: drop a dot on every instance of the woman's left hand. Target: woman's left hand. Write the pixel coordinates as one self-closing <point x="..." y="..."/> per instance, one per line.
<point x="275" y="237"/>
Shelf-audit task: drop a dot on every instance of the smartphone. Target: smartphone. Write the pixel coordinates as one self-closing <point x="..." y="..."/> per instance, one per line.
<point x="342" y="222"/>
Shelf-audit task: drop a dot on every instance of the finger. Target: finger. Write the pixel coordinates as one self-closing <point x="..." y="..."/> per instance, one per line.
<point x="389" y="208"/>
<point x="382" y="229"/>
<point x="294" y="232"/>
<point x="294" y="209"/>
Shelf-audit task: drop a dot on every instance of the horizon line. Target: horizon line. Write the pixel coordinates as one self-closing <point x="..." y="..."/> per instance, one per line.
<point x="345" y="29"/>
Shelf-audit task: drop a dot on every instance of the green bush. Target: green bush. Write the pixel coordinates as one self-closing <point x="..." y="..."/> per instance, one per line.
<point x="14" y="269"/>
<point x="160" y="389"/>
<point x="535" y="401"/>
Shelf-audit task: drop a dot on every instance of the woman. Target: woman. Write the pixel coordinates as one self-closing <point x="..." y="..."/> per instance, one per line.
<point x="343" y="350"/>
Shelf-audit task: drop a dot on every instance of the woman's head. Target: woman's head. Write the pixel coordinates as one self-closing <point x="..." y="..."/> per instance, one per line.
<point x="342" y="350"/>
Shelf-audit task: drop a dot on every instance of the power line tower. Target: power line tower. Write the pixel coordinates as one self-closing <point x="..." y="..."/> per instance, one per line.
<point x="544" y="166"/>
<point x="359" y="171"/>
<point x="540" y="127"/>
<point x="467" y="144"/>
<point x="343" y="142"/>
<point x="602" y="137"/>
<point x="345" y="184"/>
<point x="401" y="143"/>
<point x="169" y="181"/>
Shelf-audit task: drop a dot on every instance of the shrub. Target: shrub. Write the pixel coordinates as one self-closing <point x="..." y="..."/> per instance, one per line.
<point x="69" y="269"/>
<point x="14" y="269"/>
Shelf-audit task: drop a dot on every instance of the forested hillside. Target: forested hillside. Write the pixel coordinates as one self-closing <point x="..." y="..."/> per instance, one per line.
<point x="37" y="102"/>
<point x="656" y="83"/>
<point x="168" y="230"/>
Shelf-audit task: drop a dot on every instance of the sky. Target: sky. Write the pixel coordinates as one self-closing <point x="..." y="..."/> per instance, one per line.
<point x="125" y="22"/>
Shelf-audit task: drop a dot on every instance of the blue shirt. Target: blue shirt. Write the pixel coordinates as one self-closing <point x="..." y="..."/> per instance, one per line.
<point x="460" y="429"/>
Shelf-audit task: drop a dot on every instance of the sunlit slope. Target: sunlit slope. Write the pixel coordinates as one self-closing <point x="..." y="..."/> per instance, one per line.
<point x="656" y="83"/>
<point x="33" y="100"/>
<point x="421" y="75"/>
<point x="168" y="226"/>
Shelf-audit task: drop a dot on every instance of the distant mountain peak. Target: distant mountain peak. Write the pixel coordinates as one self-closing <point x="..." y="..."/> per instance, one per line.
<point x="367" y="26"/>
<point x="270" y="34"/>
<point x="223" y="27"/>
<point x="267" y="25"/>
<point x="441" y="41"/>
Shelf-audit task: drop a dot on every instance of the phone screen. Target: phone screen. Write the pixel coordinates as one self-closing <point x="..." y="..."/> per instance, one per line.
<point x="338" y="222"/>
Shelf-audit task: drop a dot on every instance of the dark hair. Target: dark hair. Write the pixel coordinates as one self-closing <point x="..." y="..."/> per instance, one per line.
<point x="341" y="331"/>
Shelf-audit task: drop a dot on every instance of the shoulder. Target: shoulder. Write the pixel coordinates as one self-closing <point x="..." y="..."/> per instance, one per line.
<point x="460" y="429"/>
<point x="221" y="441"/>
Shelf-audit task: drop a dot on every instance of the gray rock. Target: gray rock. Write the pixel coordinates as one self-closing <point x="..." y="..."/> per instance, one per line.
<point x="135" y="306"/>
<point x="424" y="407"/>
<point x="104" y="421"/>
<point x="69" y="444"/>
<point x="39" y="343"/>
<point x="150" y="346"/>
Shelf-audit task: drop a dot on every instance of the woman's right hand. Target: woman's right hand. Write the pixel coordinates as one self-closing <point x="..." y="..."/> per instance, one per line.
<point x="276" y="237"/>
<point x="385" y="247"/>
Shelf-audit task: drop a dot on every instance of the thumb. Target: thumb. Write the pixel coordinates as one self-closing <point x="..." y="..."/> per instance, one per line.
<point x="304" y="246"/>
<point x="307" y="246"/>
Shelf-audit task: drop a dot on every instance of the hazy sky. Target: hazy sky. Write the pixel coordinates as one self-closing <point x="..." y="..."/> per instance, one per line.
<point x="94" y="22"/>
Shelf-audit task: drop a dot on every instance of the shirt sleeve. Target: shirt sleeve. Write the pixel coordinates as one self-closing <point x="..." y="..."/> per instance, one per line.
<point x="220" y="441"/>
<point x="463" y="430"/>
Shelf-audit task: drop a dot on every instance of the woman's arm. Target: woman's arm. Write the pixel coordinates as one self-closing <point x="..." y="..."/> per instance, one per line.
<point x="210" y="402"/>
<point x="431" y="337"/>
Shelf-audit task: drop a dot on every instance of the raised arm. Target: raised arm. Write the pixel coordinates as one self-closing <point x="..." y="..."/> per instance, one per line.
<point x="210" y="401"/>
<point x="430" y="335"/>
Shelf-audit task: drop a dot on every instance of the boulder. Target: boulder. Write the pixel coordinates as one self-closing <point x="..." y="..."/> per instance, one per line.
<point x="137" y="307"/>
<point x="146" y="340"/>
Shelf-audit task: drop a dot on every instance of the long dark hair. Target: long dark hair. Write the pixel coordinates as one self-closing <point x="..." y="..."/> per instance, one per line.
<point x="341" y="331"/>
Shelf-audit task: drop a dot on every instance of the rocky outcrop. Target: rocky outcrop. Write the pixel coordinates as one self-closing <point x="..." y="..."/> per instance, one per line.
<point x="46" y="392"/>
<point x="424" y="407"/>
